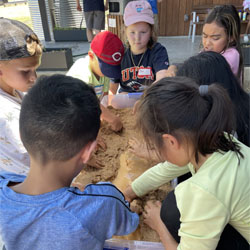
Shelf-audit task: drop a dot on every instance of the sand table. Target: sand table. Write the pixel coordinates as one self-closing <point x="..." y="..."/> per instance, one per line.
<point x="121" y="167"/>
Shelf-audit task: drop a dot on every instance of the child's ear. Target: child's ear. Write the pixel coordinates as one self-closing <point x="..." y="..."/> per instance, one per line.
<point x="87" y="151"/>
<point x="170" y="141"/>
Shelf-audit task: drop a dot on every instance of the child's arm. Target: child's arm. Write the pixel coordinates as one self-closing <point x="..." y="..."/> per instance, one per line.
<point x="171" y="72"/>
<point x="113" y="87"/>
<point x="78" y="6"/>
<point x="153" y="178"/>
<point x="153" y="219"/>
<point x="129" y="194"/>
<point x="114" y="121"/>
<point x="161" y="74"/>
<point x="115" y="217"/>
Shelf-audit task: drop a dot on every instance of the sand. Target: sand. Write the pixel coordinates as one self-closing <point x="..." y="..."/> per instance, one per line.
<point x="121" y="167"/>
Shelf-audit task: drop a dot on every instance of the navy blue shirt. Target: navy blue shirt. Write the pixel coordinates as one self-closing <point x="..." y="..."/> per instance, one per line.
<point x="140" y="72"/>
<point x="93" y="5"/>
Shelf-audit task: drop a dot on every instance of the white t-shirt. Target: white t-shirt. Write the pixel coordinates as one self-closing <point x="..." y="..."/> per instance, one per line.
<point x="13" y="156"/>
<point x="81" y="70"/>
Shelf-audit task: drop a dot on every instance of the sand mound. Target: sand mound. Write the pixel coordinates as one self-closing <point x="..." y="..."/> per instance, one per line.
<point x="121" y="167"/>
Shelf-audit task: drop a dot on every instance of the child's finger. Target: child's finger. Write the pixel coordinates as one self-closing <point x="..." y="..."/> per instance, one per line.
<point x="101" y="144"/>
<point x="135" y="107"/>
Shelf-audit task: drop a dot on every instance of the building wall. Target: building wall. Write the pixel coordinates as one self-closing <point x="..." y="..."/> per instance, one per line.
<point x="171" y="15"/>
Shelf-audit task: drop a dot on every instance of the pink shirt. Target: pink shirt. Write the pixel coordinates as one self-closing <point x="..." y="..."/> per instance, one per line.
<point x="233" y="58"/>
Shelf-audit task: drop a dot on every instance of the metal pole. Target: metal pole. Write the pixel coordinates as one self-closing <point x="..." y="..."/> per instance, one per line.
<point x="45" y="24"/>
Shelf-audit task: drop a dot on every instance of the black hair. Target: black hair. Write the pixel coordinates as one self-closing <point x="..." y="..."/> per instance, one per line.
<point x="209" y="67"/>
<point x="227" y="17"/>
<point x="59" y="116"/>
<point x="175" y="106"/>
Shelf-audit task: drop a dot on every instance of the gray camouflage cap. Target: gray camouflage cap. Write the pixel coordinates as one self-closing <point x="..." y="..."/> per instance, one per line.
<point x="13" y="39"/>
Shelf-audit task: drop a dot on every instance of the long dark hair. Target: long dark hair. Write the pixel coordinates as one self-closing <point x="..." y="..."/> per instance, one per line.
<point x="175" y="106"/>
<point x="209" y="67"/>
<point x="227" y="17"/>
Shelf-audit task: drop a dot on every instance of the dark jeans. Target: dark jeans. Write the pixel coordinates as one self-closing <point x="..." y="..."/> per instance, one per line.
<point x="230" y="238"/>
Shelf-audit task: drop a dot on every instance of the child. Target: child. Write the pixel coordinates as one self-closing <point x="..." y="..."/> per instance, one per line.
<point x="20" y="55"/>
<point x="209" y="67"/>
<point x="221" y="33"/>
<point x="144" y="60"/>
<point x="103" y="62"/>
<point x="59" y="123"/>
<point x="190" y="126"/>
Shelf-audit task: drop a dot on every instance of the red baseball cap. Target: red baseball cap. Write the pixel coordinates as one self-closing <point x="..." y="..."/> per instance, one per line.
<point x="109" y="50"/>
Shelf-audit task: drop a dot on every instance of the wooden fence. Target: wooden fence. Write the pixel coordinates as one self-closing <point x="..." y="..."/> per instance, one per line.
<point x="171" y="14"/>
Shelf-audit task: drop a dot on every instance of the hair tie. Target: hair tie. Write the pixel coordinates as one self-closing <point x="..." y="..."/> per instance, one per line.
<point x="203" y="90"/>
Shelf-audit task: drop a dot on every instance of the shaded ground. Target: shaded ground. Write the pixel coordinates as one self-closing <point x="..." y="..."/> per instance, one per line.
<point x="121" y="167"/>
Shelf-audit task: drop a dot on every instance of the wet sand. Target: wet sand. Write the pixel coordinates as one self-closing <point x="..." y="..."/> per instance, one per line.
<point x="121" y="167"/>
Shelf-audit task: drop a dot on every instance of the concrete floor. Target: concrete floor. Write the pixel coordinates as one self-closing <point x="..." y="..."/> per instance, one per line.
<point x="180" y="48"/>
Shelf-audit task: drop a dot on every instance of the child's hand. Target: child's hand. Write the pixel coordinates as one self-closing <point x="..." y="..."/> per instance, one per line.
<point x="78" y="7"/>
<point x="78" y="185"/>
<point x="101" y="143"/>
<point x="116" y="124"/>
<point x="141" y="150"/>
<point x="172" y="70"/>
<point x="136" y="206"/>
<point x="138" y="148"/>
<point x="151" y="214"/>
<point x="113" y="120"/>
<point x="135" y="107"/>
<point x="129" y="194"/>
<point x="93" y="162"/>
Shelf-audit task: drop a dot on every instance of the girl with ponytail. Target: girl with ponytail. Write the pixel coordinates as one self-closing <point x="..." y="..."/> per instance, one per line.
<point x="191" y="128"/>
